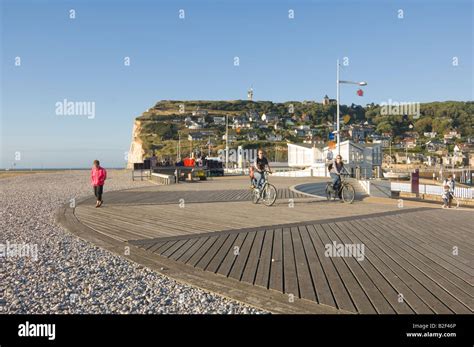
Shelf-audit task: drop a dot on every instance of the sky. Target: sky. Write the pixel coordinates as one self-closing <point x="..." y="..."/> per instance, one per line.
<point x="405" y="50"/>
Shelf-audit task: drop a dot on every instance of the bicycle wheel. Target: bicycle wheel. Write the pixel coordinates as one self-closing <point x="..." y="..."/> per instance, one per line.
<point x="328" y="191"/>
<point x="255" y="196"/>
<point x="269" y="194"/>
<point x="348" y="193"/>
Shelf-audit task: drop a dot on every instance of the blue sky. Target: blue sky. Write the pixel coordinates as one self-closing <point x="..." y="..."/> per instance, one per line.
<point x="407" y="59"/>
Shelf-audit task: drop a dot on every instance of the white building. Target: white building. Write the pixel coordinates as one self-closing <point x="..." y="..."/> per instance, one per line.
<point x="303" y="155"/>
<point x="269" y="117"/>
<point x="356" y="156"/>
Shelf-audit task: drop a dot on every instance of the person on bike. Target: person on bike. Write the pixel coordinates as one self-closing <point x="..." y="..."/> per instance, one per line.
<point x="260" y="166"/>
<point x="336" y="168"/>
<point x="448" y="191"/>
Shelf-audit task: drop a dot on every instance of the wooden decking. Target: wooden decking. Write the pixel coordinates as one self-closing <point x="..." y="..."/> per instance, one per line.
<point x="416" y="259"/>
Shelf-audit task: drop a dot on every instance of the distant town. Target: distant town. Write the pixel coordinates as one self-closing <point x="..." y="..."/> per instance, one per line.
<point x="439" y="135"/>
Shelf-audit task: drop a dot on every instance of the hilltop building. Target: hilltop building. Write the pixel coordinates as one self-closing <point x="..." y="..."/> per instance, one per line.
<point x="327" y="101"/>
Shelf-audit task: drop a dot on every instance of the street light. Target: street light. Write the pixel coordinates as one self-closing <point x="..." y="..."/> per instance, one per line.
<point x="338" y="82"/>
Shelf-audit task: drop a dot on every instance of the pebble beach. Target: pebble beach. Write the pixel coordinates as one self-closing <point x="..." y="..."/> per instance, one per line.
<point x="72" y="276"/>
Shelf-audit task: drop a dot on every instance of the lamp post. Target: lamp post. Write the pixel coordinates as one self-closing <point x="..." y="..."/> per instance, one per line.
<point x="227" y="141"/>
<point x="338" y="82"/>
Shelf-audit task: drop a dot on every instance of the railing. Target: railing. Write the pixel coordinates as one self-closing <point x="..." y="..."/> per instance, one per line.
<point x="464" y="193"/>
<point x="164" y="179"/>
<point x="366" y="185"/>
<point x="299" y="173"/>
<point x="141" y="174"/>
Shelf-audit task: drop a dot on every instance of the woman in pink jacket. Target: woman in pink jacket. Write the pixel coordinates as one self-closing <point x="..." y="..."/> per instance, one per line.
<point x="98" y="177"/>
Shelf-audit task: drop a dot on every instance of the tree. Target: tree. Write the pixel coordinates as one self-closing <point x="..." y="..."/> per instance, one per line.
<point x="423" y="124"/>
<point x="384" y="127"/>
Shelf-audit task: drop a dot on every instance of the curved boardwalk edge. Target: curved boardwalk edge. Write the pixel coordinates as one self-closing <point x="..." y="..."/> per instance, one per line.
<point x="264" y="299"/>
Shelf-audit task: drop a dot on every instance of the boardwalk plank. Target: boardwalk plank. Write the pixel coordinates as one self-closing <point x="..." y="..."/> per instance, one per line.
<point x="423" y="257"/>
<point x="430" y="279"/>
<point x="276" y="270"/>
<point x="341" y="296"/>
<point x="379" y="281"/>
<point x="202" y="251"/>
<point x="376" y="298"/>
<point x="414" y="278"/>
<point x="230" y="257"/>
<point x="357" y="294"/>
<point x="241" y="260"/>
<point x="173" y="248"/>
<point x="387" y="269"/>
<point x="265" y="262"/>
<point x="223" y="251"/>
<point x="209" y="255"/>
<point x="189" y="243"/>
<point x="320" y="281"/>
<point x="289" y="267"/>
<point x="254" y="256"/>
<point x="193" y="249"/>
<point x="305" y="282"/>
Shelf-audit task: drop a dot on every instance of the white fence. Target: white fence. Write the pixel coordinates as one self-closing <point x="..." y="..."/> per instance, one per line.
<point x="164" y="179"/>
<point x="465" y="193"/>
<point x="366" y="185"/>
<point x="293" y="173"/>
<point x="314" y="171"/>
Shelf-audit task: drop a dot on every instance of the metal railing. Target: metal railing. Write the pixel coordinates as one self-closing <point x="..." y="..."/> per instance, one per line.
<point x="141" y="174"/>
<point x="459" y="192"/>
<point x="365" y="184"/>
<point x="164" y="179"/>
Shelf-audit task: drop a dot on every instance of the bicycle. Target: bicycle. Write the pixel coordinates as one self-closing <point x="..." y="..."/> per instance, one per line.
<point x="346" y="190"/>
<point x="267" y="193"/>
<point x="454" y="201"/>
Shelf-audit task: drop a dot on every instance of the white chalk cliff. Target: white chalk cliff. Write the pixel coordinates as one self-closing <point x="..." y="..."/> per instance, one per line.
<point x="136" y="152"/>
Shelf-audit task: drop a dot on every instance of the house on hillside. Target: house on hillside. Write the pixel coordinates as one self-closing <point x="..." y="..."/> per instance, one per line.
<point x="270" y="117"/>
<point x="219" y="120"/>
<point x="451" y="135"/>
<point x="274" y="137"/>
<point x="232" y="137"/>
<point x="194" y="125"/>
<point x="430" y="134"/>
<point x="240" y="122"/>
<point x="201" y="113"/>
<point x="253" y="116"/>
<point x="252" y="137"/>
<point x="434" y="146"/>
<point x="358" y="132"/>
<point x="195" y="136"/>
<point x="409" y="142"/>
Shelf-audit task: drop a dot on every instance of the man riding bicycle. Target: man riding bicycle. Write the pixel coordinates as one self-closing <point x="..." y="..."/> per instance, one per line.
<point x="260" y="166"/>
<point x="336" y="168"/>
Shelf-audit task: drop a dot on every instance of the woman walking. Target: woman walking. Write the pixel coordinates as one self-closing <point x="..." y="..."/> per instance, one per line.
<point x="98" y="177"/>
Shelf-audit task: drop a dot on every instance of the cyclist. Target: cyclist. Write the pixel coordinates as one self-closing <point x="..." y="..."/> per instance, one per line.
<point x="336" y="168"/>
<point x="260" y="166"/>
<point x="448" y="191"/>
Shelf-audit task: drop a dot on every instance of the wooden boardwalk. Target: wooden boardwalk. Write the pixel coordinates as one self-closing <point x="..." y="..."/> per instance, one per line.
<point x="415" y="259"/>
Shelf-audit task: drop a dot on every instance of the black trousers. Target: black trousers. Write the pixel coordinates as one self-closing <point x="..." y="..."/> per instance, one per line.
<point x="98" y="190"/>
